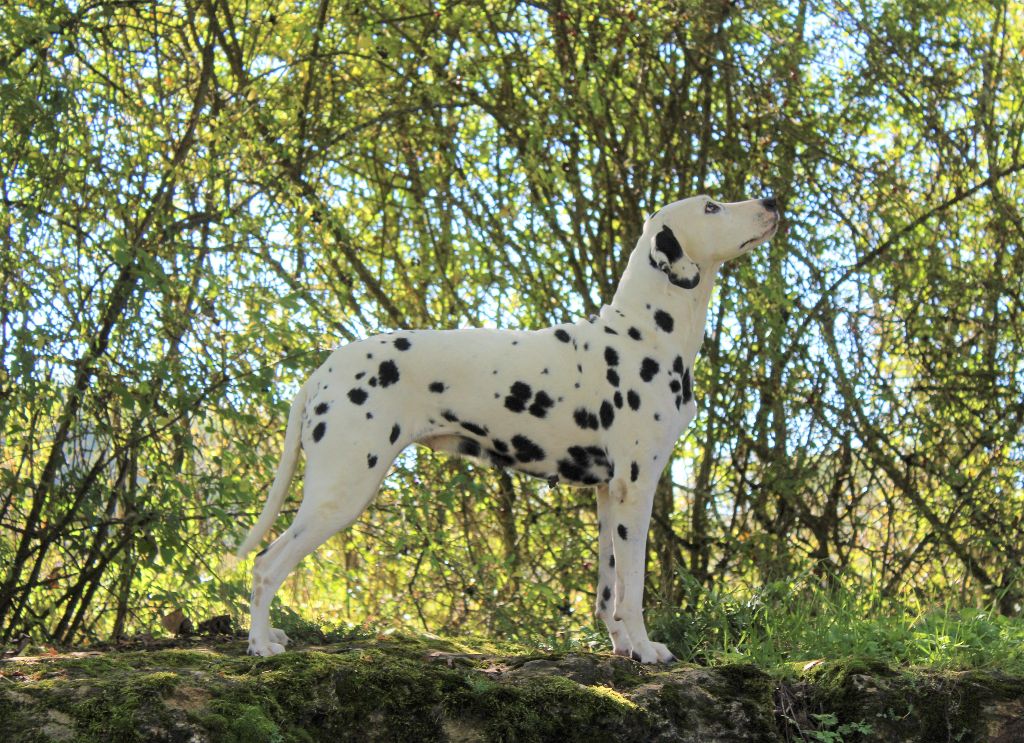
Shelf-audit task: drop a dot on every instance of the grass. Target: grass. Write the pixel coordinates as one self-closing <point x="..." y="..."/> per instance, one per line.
<point x="784" y="624"/>
<point x="780" y="628"/>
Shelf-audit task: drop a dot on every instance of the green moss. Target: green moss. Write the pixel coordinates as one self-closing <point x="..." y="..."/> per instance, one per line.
<point x="403" y="688"/>
<point x="550" y="708"/>
<point x="157" y="682"/>
<point x="238" y="723"/>
<point x="834" y="675"/>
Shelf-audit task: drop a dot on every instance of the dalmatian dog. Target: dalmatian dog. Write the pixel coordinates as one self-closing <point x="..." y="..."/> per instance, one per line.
<point x="600" y="402"/>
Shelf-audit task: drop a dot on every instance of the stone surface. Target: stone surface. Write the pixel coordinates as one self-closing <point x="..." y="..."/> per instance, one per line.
<point x="430" y="689"/>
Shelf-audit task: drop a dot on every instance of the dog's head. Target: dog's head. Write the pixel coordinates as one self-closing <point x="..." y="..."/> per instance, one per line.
<point x="699" y="232"/>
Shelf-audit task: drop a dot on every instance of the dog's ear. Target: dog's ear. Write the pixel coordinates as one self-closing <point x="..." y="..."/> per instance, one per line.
<point x="667" y="255"/>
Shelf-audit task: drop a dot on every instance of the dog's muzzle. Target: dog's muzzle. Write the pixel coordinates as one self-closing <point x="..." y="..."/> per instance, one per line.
<point x="771" y="206"/>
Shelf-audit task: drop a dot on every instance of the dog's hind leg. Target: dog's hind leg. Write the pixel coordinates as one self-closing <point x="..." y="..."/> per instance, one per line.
<point x="606" y="576"/>
<point x="328" y="506"/>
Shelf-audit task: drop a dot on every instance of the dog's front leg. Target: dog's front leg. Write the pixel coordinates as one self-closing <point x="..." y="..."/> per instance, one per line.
<point x="630" y="505"/>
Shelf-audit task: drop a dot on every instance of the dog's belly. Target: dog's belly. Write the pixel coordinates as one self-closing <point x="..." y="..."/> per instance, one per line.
<point x="575" y="464"/>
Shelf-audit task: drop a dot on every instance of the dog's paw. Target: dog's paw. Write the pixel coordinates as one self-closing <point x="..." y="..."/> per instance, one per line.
<point x="620" y="642"/>
<point x="266" y="649"/>
<point x="664" y="654"/>
<point x="278" y="636"/>
<point x="652" y="652"/>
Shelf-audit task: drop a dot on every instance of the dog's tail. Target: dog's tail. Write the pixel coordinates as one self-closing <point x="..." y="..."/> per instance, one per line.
<point x="283" y="478"/>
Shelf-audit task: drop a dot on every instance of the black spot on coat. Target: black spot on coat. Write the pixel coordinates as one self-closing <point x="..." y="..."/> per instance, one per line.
<point x="371" y="460"/>
<point x="357" y="395"/>
<point x="388" y="372"/>
<point x="502" y="460"/>
<point x="607" y="414"/>
<point x="402" y="344"/>
<point x="515" y="404"/>
<point x="321" y="408"/>
<point x="648" y="368"/>
<point x="527" y="450"/>
<point x="622" y="531"/>
<point x="318" y="431"/>
<point x="585" y="419"/>
<point x="541" y="402"/>
<point x="396" y="431"/>
<point x="562" y="335"/>
<point x="436" y="387"/>
<point x="633" y="399"/>
<point x="611" y="356"/>
<point x="474" y="428"/>
<point x="519" y="395"/>
<point x="634" y="472"/>
<point x="664" y="321"/>
<point x="570" y="471"/>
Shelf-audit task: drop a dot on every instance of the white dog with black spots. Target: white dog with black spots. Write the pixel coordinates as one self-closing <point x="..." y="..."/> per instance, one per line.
<point x="600" y="402"/>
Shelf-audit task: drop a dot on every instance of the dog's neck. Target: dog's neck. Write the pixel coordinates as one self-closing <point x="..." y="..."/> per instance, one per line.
<point x="644" y="289"/>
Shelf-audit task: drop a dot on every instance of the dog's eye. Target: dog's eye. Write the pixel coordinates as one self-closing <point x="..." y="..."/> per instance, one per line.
<point x="711" y="207"/>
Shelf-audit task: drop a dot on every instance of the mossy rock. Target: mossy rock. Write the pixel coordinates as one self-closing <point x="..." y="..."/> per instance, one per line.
<point x="851" y="700"/>
<point x="429" y="689"/>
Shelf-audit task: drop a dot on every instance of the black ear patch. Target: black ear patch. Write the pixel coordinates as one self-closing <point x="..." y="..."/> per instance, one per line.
<point x="667" y="245"/>
<point x="667" y="256"/>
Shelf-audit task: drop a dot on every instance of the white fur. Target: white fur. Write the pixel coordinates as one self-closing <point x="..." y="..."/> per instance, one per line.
<point x="599" y="402"/>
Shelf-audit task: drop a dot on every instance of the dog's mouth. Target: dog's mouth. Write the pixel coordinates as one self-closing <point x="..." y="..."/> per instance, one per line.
<point x="748" y="244"/>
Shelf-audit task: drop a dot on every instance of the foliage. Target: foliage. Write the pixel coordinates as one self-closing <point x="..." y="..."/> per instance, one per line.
<point x="789" y="626"/>
<point x="200" y="196"/>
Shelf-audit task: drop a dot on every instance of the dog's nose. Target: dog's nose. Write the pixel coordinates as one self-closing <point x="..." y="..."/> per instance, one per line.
<point x="770" y="204"/>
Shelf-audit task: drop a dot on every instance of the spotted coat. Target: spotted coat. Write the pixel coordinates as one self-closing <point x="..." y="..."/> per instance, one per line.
<point x="599" y="402"/>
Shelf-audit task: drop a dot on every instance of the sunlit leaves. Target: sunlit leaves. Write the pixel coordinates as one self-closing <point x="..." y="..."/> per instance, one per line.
<point x="201" y="198"/>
